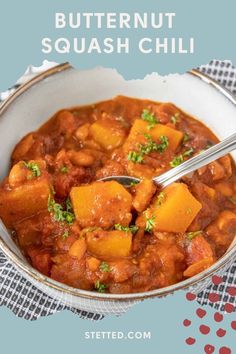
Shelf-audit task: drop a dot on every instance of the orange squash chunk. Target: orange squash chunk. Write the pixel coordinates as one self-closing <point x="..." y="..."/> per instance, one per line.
<point x="140" y="127"/>
<point x="176" y="210"/>
<point x="24" y="201"/>
<point x="101" y="204"/>
<point x="109" y="244"/>
<point x="107" y="134"/>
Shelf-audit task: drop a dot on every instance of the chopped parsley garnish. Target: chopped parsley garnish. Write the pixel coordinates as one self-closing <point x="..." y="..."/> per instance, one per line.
<point x="188" y="152"/>
<point x="135" y="157"/>
<point x="160" y="199"/>
<point x="164" y="143"/>
<point x="32" y="166"/>
<point x="186" y="138"/>
<point x="134" y="183"/>
<point x="65" y="235"/>
<point x="150" y="118"/>
<point x="174" y="118"/>
<point x="59" y="214"/>
<point x="150" y="146"/>
<point x="191" y="235"/>
<point x="150" y="222"/>
<point x="131" y="228"/>
<point x="101" y="288"/>
<point x="104" y="267"/>
<point x="64" y="169"/>
<point x="68" y="204"/>
<point x="177" y="160"/>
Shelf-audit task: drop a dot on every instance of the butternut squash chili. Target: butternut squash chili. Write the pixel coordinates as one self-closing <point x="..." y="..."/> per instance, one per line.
<point x="100" y="236"/>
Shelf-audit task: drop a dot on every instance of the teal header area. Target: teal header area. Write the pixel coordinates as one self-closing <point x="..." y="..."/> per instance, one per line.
<point x="25" y="23"/>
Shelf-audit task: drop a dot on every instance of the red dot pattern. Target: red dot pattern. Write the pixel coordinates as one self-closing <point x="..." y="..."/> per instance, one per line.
<point x="229" y="308"/>
<point x="209" y="349"/>
<point x="186" y="323"/>
<point x="190" y="296"/>
<point x="218" y="317"/>
<point x="201" y="313"/>
<point x="225" y="350"/>
<point x="221" y="332"/>
<point x="216" y="280"/>
<point x="231" y="291"/>
<point x="213" y="297"/>
<point x="233" y="325"/>
<point x="204" y="329"/>
<point x="190" y="340"/>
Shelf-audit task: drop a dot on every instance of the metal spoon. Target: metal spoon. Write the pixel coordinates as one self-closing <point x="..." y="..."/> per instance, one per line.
<point x="213" y="153"/>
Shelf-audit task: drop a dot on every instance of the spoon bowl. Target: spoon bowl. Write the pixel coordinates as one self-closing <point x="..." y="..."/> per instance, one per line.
<point x="204" y="158"/>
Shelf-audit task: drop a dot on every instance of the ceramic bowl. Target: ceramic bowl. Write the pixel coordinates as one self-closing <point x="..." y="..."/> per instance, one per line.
<point x="63" y="86"/>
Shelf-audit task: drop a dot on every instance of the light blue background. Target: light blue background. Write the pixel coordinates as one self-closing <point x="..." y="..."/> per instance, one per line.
<point x="22" y="26"/>
<point x="64" y="332"/>
<point x="24" y="23"/>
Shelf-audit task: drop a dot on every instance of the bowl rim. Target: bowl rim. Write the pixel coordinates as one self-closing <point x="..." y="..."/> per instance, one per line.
<point x="64" y="289"/>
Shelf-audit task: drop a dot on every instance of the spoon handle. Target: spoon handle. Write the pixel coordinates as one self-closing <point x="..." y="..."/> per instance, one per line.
<point x="213" y="153"/>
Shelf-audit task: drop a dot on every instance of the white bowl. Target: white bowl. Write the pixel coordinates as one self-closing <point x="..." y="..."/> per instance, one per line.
<point x="63" y="86"/>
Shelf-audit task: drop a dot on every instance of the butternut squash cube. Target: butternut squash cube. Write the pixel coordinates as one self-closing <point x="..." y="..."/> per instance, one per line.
<point x="24" y="201"/>
<point x="101" y="204"/>
<point x="140" y="127"/>
<point x="107" y="133"/>
<point x="176" y="209"/>
<point x="109" y="244"/>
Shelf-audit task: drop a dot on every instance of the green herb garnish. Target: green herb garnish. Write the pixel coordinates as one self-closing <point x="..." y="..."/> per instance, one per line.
<point x="135" y="157"/>
<point x="100" y="287"/>
<point x="150" y="146"/>
<point x="150" y="222"/>
<point x="131" y="228"/>
<point x="134" y="183"/>
<point x="68" y="204"/>
<point x="153" y="146"/>
<point x="150" y="118"/>
<point x="59" y="214"/>
<point x="65" y="235"/>
<point x="104" y="267"/>
<point x="188" y="152"/>
<point x="174" y="118"/>
<point x="191" y="235"/>
<point x="32" y="166"/>
<point x="64" y="169"/>
<point x="177" y="160"/>
<point x="186" y="138"/>
<point x="160" y="199"/>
